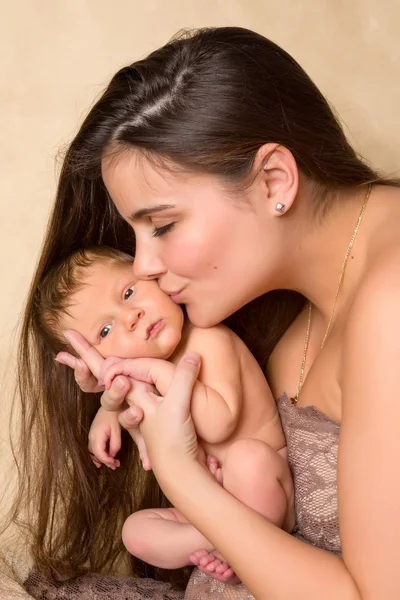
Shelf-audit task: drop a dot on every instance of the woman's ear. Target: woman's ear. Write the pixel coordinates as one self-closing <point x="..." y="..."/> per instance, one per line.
<point x="279" y="177"/>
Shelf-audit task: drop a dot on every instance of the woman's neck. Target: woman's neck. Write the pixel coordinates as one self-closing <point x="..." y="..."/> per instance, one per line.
<point x="316" y="261"/>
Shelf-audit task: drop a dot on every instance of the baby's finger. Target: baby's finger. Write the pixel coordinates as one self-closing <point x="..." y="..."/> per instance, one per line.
<point x="115" y="442"/>
<point x="114" y="397"/>
<point x="96" y="462"/>
<point x="111" y="372"/>
<point x="104" y="458"/>
<point x="107" y="363"/>
<point x="99" y="451"/>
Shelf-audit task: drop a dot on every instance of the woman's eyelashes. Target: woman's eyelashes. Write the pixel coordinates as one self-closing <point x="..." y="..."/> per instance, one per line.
<point x="159" y="231"/>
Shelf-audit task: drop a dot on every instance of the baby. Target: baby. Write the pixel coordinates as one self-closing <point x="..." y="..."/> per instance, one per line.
<point x="234" y="413"/>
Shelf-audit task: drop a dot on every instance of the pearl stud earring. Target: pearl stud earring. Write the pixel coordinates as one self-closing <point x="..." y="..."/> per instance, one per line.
<point x="280" y="207"/>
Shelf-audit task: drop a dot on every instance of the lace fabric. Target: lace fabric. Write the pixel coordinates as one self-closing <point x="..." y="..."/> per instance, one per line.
<point x="313" y="441"/>
<point x="204" y="587"/>
<point x="100" y="587"/>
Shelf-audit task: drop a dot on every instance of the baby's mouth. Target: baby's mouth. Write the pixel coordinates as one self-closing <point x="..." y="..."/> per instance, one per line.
<point x="153" y="330"/>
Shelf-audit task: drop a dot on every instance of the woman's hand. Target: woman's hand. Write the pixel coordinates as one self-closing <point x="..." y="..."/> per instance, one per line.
<point x="167" y="426"/>
<point x="87" y="370"/>
<point x="83" y="375"/>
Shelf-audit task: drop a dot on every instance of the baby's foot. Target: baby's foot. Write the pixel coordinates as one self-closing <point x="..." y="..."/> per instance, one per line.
<point x="212" y="563"/>
<point x="214" y="468"/>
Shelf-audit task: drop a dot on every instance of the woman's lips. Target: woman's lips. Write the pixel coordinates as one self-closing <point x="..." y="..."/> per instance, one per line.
<point x="154" y="329"/>
<point x="175" y="296"/>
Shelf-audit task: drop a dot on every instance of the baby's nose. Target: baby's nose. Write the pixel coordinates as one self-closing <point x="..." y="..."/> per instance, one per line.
<point x="132" y="316"/>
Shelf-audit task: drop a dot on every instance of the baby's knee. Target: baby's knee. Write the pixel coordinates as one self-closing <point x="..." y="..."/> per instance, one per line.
<point x="135" y="535"/>
<point x="251" y="455"/>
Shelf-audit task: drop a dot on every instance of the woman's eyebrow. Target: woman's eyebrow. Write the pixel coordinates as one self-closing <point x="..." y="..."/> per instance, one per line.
<point x="144" y="212"/>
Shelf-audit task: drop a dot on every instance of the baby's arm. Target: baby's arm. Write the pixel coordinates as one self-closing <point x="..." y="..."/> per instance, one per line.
<point x="216" y="400"/>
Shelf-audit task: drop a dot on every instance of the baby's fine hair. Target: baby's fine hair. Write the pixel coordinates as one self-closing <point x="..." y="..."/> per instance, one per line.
<point x="54" y="294"/>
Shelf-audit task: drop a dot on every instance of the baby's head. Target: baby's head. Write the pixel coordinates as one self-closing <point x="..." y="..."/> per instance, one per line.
<point x="94" y="292"/>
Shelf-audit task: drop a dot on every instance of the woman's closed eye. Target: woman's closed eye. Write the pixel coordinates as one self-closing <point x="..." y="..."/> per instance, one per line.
<point x="159" y="231"/>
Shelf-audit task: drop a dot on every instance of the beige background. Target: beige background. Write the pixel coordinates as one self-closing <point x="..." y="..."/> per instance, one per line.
<point x="56" y="57"/>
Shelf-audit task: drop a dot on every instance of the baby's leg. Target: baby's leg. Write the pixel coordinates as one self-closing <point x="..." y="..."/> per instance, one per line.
<point x="162" y="537"/>
<point x="260" y="477"/>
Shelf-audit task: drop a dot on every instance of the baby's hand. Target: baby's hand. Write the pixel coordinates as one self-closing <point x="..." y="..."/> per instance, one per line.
<point x="105" y="439"/>
<point x="114" y="367"/>
<point x="107" y="363"/>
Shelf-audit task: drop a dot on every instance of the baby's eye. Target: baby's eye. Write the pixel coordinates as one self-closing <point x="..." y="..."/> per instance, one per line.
<point x="129" y="292"/>
<point x="105" y="331"/>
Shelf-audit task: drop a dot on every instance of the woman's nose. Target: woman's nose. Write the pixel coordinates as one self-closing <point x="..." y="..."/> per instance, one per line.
<point x="146" y="264"/>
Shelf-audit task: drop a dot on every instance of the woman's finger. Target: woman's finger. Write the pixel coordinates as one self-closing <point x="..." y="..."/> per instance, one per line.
<point x="83" y="376"/>
<point x="65" y="358"/>
<point x="181" y="387"/>
<point x="130" y="418"/>
<point x="115" y="396"/>
<point x="137" y="437"/>
<point x="92" y="358"/>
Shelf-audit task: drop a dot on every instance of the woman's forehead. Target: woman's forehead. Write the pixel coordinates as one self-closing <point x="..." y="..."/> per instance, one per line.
<point x="135" y="183"/>
<point x="135" y="170"/>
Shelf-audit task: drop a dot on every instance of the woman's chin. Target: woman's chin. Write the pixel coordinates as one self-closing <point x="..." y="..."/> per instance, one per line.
<point x="201" y="318"/>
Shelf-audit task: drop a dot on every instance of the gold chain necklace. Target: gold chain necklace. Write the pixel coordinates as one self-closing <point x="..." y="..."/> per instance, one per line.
<point x="342" y="272"/>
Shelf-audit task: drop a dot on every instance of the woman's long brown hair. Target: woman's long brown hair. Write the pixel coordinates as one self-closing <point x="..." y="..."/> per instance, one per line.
<point x="205" y="102"/>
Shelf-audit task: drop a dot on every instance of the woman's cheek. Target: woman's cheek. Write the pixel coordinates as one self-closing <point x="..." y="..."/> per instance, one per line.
<point x="189" y="254"/>
<point x="182" y="258"/>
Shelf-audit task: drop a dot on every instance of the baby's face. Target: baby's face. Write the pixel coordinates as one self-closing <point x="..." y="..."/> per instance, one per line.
<point x="124" y="317"/>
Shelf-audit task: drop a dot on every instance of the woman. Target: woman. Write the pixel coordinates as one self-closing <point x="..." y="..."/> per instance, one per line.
<point x="237" y="180"/>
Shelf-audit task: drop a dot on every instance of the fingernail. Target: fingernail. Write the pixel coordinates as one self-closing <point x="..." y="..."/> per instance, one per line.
<point x="131" y="416"/>
<point x="119" y="383"/>
<point x="192" y="357"/>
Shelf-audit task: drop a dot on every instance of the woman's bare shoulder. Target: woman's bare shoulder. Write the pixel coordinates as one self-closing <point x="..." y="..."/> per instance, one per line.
<point x="380" y="283"/>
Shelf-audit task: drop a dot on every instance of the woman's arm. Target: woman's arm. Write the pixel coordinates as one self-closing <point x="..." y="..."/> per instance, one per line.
<point x="369" y="452"/>
<point x="271" y="563"/>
